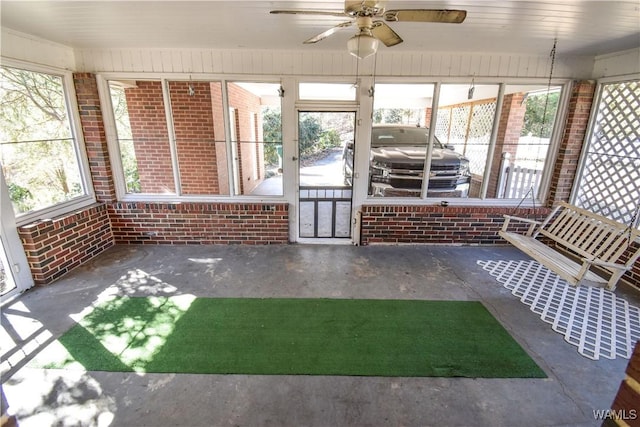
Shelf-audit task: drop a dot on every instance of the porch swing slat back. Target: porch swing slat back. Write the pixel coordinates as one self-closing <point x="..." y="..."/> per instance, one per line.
<point x="576" y="241"/>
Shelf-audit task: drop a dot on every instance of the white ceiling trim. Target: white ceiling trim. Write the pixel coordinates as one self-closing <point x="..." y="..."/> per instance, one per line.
<point x="617" y="64"/>
<point x="24" y="47"/>
<point x="281" y="63"/>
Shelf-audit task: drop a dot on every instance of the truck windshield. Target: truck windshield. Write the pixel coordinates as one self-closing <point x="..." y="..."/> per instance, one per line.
<point x="385" y="136"/>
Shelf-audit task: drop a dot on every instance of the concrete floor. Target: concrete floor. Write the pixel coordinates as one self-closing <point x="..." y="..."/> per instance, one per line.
<point x="575" y="387"/>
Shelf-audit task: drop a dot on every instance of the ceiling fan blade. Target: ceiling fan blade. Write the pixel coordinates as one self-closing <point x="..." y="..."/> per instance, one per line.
<point x="426" y="15"/>
<point x="385" y="34"/>
<point x="329" y="32"/>
<point x="308" y="12"/>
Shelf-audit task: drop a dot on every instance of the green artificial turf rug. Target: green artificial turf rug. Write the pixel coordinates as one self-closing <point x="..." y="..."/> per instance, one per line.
<point x="292" y="336"/>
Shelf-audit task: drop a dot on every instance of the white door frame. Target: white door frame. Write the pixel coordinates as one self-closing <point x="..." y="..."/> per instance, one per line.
<point x="295" y="222"/>
<point x="363" y="106"/>
<point x="12" y="253"/>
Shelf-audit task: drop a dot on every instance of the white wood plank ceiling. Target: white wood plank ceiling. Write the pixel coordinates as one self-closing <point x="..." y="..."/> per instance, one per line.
<point x="586" y="28"/>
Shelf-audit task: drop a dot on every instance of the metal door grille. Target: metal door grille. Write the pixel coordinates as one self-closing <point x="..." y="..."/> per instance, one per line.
<point x="325" y="212"/>
<point x="610" y="183"/>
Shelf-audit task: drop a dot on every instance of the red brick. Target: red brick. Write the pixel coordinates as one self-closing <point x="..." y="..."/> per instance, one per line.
<point x="56" y="246"/>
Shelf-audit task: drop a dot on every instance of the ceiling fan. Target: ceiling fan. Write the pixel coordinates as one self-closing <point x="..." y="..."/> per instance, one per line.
<point x="369" y="16"/>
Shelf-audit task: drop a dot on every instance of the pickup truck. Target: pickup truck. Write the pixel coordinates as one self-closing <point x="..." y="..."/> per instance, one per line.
<point x="396" y="164"/>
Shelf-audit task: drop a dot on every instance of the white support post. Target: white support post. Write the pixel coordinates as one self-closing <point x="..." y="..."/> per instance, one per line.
<point x="505" y="168"/>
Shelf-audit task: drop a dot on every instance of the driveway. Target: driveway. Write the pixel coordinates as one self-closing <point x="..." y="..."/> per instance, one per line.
<point x="323" y="171"/>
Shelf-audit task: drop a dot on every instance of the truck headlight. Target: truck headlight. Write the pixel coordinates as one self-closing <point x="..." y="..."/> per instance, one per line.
<point x="379" y="172"/>
<point x="464" y="168"/>
<point x="379" y="165"/>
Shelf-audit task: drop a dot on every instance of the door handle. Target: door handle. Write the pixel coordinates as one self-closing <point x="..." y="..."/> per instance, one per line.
<point x="294" y="158"/>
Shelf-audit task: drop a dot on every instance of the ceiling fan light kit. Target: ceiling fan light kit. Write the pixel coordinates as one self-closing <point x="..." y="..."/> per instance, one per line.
<point x="369" y="16"/>
<point x="362" y="44"/>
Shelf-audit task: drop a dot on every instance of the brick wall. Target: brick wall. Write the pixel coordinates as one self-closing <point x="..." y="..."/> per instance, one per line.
<point x="508" y="137"/>
<point x="437" y="224"/>
<point x="575" y="128"/>
<point x="427" y="116"/>
<point x="94" y="136"/>
<point x="200" y="223"/>
<point x="150" y="137"/>
<point x="221" y="145"/>
<point x="195" y="136"/>
<point x="199" y="128"/>
<point x="248" y="133"/>
<point x="55" y="247"/>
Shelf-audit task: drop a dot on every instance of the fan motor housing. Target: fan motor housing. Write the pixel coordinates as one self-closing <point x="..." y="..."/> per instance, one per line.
<point x="362" y="7"/>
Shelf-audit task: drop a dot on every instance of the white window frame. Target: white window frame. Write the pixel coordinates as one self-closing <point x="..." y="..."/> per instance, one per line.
<point x="253" y="124"/>
<point x="71" y="104"/>
<point x="554" y="144"/>
<point x="290" y="102"/>
<point x="164" y="78"/>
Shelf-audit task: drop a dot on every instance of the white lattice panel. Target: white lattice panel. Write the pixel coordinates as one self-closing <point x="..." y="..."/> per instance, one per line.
<point x="610" y="184"/>
<point x="595" y="320"/>
<point x="442" y="125"/>
<point x="459" y="124"/>
<point x="479" y="134"/>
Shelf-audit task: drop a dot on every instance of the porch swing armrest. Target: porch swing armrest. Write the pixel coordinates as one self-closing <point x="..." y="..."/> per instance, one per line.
<point x="508" y="218"/>
<point x="600" y="263"/>
<point x="517" y="218"/>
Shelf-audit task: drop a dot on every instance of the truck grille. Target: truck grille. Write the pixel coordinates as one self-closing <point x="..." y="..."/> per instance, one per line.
<point x="434" y="167"/>
<point x="417" y="184"/>
<point x="437" y="167"/>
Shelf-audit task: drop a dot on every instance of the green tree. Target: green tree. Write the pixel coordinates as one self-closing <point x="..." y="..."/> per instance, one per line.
<point x="393" y="115"/>
<point x="32" y="105"/>
<point x="120" y="112"/>
<point x="309" y="133"/>
<point x="125" y="139"/>
<point x="21" y="197"/>
<point x="317" y="132"/>
<point x="405" y="116"/>
<point x="272" y="134"/>
<point x="329" y="139"/>
<point x="37" y="147"/>
<point x="536" y="122"/>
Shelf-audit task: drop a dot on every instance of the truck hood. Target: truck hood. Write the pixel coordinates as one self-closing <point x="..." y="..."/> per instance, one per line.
<point x="411" y="154"/>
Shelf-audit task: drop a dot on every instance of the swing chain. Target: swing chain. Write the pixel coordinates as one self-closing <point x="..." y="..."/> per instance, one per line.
<point x="533" y="201"/>
<point x="531" y="191"/>
<point x="632" y="223"/>
<point x="552" y="54"/>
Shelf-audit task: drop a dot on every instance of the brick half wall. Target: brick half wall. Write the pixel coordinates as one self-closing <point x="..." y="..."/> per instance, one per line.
<point x="55" y="247"/>
<point x="200" y="223"/>
<point x="384" y="224"/>
<point x="437" y="224"/>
